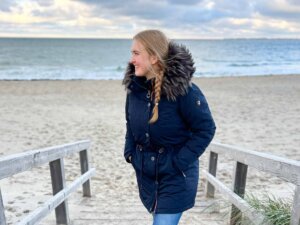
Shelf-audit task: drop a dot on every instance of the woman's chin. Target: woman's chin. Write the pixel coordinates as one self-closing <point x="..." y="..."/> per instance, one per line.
<point x="139" y="75"/>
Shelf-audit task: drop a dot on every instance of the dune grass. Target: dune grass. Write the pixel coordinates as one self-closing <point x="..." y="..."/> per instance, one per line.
<point x="277" y="211"/>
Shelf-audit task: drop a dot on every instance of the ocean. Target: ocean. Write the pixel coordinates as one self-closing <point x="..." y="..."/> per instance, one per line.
<point x="67" y="59"/>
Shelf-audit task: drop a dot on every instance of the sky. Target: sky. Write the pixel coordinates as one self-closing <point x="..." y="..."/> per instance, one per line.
<point x="185" y="19"/>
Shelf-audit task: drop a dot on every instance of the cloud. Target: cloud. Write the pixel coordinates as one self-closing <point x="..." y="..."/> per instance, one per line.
<point x="6" y="5"/>
<point x="186" y="2"/>
<point x="173" y="11"/>
<point x="149" y="10"/>
<point x="280" y="9"/>
<point x="179" y="19"/>
<point x="46" y="3"/>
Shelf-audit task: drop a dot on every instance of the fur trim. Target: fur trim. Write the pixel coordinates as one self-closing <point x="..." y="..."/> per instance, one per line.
<point x="178" y="74"/>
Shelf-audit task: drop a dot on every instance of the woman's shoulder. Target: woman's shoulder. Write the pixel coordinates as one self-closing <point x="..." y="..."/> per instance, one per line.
<point x="195" y="88"/>
<point x="193" y="96"/>
<point x="192" y="90"/>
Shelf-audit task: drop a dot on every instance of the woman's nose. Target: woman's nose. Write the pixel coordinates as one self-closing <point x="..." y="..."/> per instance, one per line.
<point x="132" y="59"/>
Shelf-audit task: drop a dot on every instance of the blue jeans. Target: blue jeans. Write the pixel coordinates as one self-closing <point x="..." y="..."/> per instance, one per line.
<point x="166" y="219"/>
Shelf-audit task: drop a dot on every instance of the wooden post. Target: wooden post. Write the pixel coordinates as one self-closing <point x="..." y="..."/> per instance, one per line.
<point x="58" y="183"/>
<point x="213" y="160"/>
<point x="84" y="164"/>
<point x="238" y="188"/>
<point x="2" y="211"/>
<point x="295" y="219"/>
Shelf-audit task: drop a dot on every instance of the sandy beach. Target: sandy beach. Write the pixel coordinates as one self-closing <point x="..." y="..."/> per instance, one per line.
<point x="259" y="113"/>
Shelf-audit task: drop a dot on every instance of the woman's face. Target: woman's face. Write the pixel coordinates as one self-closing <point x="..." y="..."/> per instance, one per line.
<point x="141" y="60"/>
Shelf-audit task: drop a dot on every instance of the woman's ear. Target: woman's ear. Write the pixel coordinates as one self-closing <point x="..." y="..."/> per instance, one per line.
<point x="153" y="59"/>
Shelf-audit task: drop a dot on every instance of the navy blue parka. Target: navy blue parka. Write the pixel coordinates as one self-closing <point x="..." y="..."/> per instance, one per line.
<point x="165" y="154"/>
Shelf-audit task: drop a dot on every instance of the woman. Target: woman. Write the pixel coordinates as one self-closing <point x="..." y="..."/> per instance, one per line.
<point x="169" y="125"/>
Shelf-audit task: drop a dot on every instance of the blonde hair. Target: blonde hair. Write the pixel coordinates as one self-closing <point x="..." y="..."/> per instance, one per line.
<point x="155" y="43"/>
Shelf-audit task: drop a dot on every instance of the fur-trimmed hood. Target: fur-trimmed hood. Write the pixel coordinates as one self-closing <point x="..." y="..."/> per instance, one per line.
<point x="178" y="74"/>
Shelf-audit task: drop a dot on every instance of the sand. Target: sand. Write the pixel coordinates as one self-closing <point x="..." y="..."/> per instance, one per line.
<point x="259" y="113"/>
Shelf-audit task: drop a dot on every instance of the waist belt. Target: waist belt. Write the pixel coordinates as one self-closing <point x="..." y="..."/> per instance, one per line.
<point x="149" y="148"/>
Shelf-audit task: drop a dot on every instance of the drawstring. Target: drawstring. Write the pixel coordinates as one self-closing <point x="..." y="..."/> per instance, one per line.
<point x="156" y="168"/>
<point x="160" y="151"/>
<point x="142" y="163"/>
<point x="156" y="181"/>
<point x="140" y="147"/>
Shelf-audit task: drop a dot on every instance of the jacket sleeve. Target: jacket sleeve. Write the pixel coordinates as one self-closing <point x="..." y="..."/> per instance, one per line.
<point x="129" y="139"/>
<point x="195" y="112"/>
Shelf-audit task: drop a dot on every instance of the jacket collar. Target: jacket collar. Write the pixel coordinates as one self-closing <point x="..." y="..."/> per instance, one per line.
<point x="139" y="84"/>
<point x="177" y="78"/>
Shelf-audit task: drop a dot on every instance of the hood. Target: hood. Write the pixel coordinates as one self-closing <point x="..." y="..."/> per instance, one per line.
<point x="177" y="77"/>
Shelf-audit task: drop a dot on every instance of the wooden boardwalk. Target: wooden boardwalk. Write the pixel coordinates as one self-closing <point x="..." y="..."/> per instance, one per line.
<point x="128" y="210"/>
<point x="123" y="207"/>
<point x="68" y="206"/>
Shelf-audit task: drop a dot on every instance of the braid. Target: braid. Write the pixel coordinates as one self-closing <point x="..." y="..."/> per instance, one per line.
<point x="157" y="92"/>
<point x="156" y="44"/>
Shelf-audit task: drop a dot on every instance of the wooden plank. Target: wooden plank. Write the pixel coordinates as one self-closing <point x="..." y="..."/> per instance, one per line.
<point x="239" y="186"/>
<point x="286" y="169"/>
<point x="17" y="163"/>
<point x="295" y="219"/>
<point x="84" y="165"/>
<point x="2" y="211"/>
<point x="252" y="214"/>
<point x="57" y="171"/>
<point x="213" y="161"/>
<point x="41" y="212"/>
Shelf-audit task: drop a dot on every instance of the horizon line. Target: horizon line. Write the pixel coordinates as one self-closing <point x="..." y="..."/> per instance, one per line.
<point x="114" y="38"/>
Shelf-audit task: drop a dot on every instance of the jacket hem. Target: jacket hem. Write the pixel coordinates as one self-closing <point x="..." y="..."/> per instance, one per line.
<point x="174" y="210"/>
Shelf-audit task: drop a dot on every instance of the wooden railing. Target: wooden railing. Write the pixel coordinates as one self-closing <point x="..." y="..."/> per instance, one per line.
<point x="18" y="163"/>
<point x="286" y="169"/>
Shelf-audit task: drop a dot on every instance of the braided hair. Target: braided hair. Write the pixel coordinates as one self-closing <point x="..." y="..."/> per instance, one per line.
<point x="156" y="43"/>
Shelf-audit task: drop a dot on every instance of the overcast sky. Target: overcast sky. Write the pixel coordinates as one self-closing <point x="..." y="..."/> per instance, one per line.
<point x="123" y="18"/>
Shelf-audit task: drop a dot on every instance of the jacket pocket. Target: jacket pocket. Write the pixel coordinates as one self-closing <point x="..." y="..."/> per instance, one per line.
<point x="149" y="164"/>
<point x="166" y="165"/>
